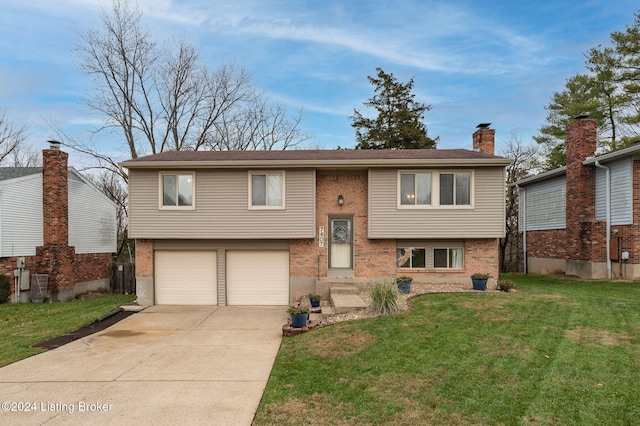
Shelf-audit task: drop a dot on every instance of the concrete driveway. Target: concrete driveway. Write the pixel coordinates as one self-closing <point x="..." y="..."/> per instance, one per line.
<point x="165" y="365"/>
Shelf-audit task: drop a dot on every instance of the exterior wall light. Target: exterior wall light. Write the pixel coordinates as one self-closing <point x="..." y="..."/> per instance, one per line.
<point x="340" y="200"/>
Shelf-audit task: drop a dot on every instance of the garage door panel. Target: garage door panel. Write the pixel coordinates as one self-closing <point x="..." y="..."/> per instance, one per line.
<point x="186" y="278"/>
<point x="258" y="277"/>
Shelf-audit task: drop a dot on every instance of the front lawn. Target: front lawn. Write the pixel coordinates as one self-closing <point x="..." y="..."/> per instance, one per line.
<point x="557" y="351"/>
<point x="23" y="325"/>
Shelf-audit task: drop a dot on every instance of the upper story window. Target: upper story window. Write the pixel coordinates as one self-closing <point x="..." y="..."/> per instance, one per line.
<point x="266" y="190"/>
<point x="425" y="189"/>
<point x="415" y="189"/>
<point x="455" y="189"/>
<point x="177" y="190"/>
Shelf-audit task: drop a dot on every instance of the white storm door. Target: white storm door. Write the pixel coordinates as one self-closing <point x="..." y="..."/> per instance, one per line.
<point x="341" y="244"/>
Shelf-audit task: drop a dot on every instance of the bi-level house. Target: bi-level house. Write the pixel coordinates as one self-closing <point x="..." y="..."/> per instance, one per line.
<point x="584" y="219"/>
<point x="260" y="227"/>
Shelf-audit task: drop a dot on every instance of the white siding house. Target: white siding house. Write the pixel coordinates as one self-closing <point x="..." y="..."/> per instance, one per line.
<point x="92" y="216"/>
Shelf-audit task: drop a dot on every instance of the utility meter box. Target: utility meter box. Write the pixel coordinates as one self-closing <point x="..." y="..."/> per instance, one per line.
<point x="23" y="276"/>
<point x="20" y="263"/>
<point x="625" y="255"/>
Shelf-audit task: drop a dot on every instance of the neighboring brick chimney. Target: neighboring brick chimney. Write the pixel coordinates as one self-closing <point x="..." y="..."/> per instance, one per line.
<point x="55" y="196"/>
<point x="55" y="257"/>
<point x="581" y="143"/>
<point x="484" y="139"/>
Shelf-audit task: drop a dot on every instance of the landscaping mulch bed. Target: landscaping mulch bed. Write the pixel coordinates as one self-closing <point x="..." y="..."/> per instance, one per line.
<point x="94" y="327"/>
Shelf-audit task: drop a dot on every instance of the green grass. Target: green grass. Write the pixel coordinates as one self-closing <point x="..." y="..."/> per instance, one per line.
<point x="23" y="325"/>
<point x="557" y="351"/>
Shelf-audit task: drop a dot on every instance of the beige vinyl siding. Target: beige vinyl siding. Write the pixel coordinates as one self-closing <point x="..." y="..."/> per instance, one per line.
<point x="485" y="220"/>
<point x="222" y="208"/>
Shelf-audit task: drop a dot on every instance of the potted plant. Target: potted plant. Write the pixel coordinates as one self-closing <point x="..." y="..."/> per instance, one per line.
<point x="315" y="300"/>
<point x="479" y="280"/>
<point x="298" y="316"/>
<point x="404" y="284"/>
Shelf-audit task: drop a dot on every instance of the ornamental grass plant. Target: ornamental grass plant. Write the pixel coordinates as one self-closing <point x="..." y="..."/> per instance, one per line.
<point x="384" y="297"/>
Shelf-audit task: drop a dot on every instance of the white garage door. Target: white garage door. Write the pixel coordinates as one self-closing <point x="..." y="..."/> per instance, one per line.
<point x="186" y="277"/>
<point x="258" y="277"/>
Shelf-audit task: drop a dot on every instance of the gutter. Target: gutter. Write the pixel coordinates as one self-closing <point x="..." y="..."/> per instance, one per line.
<point x="608" y="214"/>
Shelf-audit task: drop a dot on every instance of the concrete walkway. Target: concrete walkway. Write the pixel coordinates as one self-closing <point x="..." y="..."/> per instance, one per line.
<point x="166" y="365"/>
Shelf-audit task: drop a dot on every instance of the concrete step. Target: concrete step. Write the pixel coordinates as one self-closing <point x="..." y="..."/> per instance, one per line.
<point x="343" y="289"/>
<point x="343" y="303"/>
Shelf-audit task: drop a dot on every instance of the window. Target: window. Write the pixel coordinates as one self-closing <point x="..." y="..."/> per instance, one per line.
<point x="177" y="190"/>
<point x="415" y="189"/>
<point x="448" y="258"/>
<point x="266" y="190"/>
<point x="455" y="189"/>
<point x="435" y="189"/>
<point x="411" y="257"/>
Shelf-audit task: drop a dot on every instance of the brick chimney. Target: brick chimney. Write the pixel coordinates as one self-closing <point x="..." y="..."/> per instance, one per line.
<point x="581" y="143"/>
<point x="484" y="139"/>
<point x="55" y="196"/>
<point x="55" y="257"/>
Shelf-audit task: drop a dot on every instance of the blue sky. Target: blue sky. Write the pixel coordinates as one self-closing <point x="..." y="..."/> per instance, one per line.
<point x="473" y="60"/>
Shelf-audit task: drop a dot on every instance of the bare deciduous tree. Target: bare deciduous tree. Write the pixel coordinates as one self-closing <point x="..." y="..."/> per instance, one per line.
<point x="13" y="151"/>
<point x="162" y="98"/>
<point x="526" y="162"/>
<point x="114" y="187"/>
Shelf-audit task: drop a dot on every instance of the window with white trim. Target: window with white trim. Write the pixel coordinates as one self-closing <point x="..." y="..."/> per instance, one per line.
<point x="435" y="189"/>
<point x="455" y="189"/>
<point x="411" y="257"/>
<point x="266" y="190"/>
<point x="415" y="189"/>
<point x="177" y="190"/>
<point x="450" y="258"/>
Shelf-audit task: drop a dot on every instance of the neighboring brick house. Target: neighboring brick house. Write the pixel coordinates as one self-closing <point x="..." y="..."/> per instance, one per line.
<point x="59" y="223"/>
<point x="260" y="227"/>
<point x="583" y="219"/>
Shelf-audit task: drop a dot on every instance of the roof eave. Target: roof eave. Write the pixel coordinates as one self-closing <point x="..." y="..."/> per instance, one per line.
<point x="624" y="152"/>
<point x="490" y="162"/>
<point x="541" y="177"/>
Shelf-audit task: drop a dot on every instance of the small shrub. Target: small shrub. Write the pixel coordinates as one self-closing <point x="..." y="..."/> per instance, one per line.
<point x="296" y="310"/>
<point x="506" y="285"/>
<point x="481" y="276"/>
<point x="5" y="288"/>
<point x="384" y="297"/>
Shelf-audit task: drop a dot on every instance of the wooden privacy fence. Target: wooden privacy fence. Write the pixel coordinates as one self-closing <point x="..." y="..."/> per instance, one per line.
<point x="123" y="278"/>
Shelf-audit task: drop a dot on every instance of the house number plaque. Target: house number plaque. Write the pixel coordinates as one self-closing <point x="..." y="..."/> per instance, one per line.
<point x="321" y="236"/>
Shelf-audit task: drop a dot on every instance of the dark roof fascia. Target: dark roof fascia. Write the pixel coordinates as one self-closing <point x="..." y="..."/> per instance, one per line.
<point x="318" y="159"/>
<point x="560" y="171"/>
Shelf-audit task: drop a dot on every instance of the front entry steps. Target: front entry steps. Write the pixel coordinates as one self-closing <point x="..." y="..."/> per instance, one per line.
<point x="345" y="298"/>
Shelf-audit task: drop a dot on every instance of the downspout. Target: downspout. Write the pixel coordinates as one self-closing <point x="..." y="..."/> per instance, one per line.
<point x="608" y="214"/>
<point x="522" y="203"/>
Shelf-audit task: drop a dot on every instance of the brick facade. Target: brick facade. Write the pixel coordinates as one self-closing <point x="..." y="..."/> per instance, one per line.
<point x="144" y="258"/>
<point x="372" y="257"/>
<point x="550" y="243"/>
<point x="583" y="244"/>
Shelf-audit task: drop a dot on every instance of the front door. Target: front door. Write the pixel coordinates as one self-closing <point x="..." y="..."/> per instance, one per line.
<point x="341" y="243"/>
